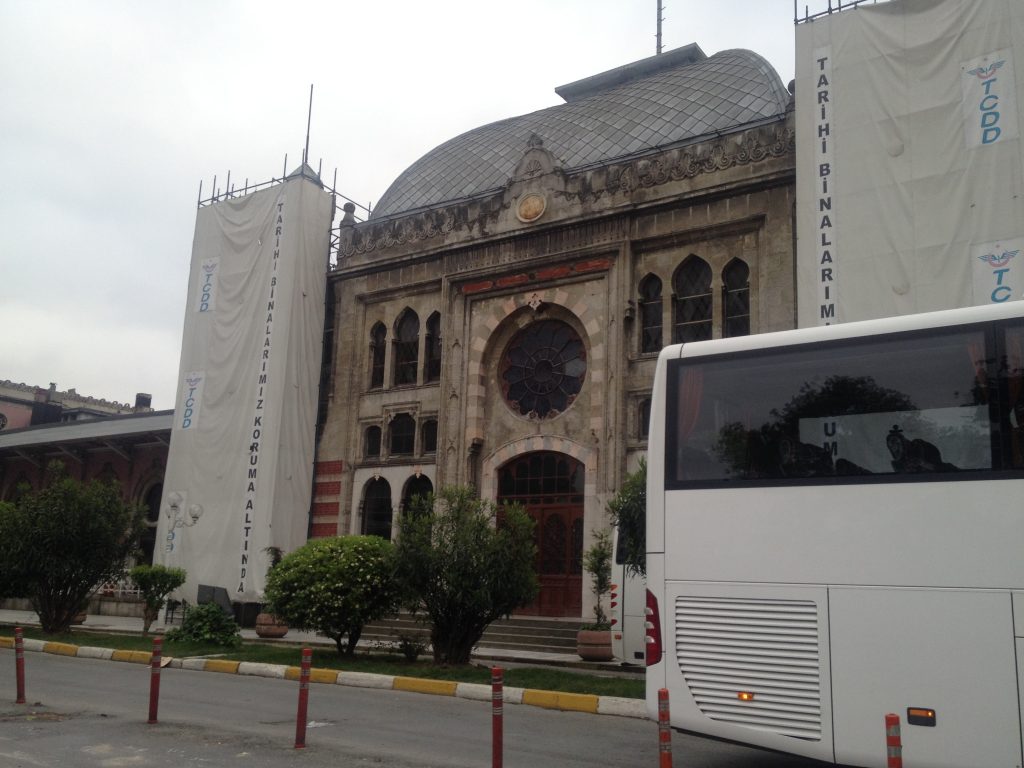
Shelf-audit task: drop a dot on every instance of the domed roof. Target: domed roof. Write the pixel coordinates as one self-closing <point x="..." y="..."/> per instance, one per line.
<point x="673" y="105"/>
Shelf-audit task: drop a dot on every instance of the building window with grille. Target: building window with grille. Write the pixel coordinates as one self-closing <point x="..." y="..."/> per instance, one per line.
<point x="542" y="369"/>
<point x="650" y="314"/>
<point x="378" y="339"/>
<point x="430" y="436"/>
<point x="372" y="443"/>
<point x="432" y="350"/>
<point x="407" y="343"/>
<point x="403" y="435"/>
<point x="691" y="302"/>
<point x="736" y="299"/>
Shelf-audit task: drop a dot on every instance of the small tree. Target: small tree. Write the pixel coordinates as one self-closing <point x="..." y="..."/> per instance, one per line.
<point x="597" y="561"/>
<point x="464" y="568"/>
<point x="155" y="582"/>
<point x="64" y="540"/>
<point x="628" y="510"/>
<point x="334" y="586"/>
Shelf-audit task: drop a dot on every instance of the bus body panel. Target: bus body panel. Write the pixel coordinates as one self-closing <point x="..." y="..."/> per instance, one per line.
<point x="951" y="651"/>
<point x="914" y="537"/>
<point x="786" y="671"/>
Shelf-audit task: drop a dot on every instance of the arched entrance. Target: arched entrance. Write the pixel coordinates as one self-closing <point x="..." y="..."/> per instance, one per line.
<point x="550" y="486"/>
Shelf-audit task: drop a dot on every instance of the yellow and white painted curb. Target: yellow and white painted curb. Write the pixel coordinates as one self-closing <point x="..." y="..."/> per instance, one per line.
<point x="569" y="702"/>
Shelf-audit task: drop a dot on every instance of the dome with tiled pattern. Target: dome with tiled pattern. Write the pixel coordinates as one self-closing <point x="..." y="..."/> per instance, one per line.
<point x="675" y="105"/>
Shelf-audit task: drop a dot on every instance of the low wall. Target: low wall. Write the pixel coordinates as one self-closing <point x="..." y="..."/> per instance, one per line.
<point x="98" y="606"/>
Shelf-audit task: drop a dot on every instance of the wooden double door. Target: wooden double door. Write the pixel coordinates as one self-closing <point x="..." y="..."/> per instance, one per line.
<point x="550" y="486"/>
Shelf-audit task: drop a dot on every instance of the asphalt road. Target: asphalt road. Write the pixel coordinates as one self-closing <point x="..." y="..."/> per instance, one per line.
<point x="93" y="713"/>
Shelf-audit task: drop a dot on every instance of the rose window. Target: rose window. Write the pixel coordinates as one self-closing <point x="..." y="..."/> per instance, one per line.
<point x="542" y="369"/>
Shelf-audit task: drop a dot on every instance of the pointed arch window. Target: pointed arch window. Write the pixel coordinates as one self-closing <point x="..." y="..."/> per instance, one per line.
<point x="417" y="488"/>
<point x="691" y="302"/>
<point x="650" y="314"/>
<point x="407" y="342"/>
<point x="432" y="351"/>
<point x="378" y="340"/>
<point x="403" y="435"/>
<point x="736" y="298"/>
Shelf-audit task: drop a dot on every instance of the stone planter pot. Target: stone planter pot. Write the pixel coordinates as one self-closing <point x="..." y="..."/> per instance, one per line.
<point x="268" y="625"/>
<point x="594" y="644"/>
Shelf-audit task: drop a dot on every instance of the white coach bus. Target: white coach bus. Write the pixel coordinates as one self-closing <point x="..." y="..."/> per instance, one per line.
<point x="835" y="531"/>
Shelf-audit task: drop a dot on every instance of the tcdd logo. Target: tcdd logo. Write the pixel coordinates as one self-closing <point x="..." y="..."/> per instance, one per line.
<point x="989" y="104"/>
<point x="1000" y="269"/>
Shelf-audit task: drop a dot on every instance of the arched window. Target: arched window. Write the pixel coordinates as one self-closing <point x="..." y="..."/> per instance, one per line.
<point x="403" y="434"/>
<point x="377" y="511"/>
<point x="378" y="339"/>
<point x="407" y="343"/>
<point x="371" y="445"/>
<point x="691" y="304"/>
<point x="416" y="487"/>
<point x="650" y="314"/>
<point x="736" y="298"/>
<point x="432" y="352"/>
<point x="429" y="431"/>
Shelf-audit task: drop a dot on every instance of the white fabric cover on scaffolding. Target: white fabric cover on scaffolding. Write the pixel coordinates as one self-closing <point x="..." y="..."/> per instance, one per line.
<point x="240" y="469"/>
<point x="909" y="169"/>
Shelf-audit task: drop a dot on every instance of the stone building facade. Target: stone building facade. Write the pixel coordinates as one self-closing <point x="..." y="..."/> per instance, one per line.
<point x="497" y="320"/>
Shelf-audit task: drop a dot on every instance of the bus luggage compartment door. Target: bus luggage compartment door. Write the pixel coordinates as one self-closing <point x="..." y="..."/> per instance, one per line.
<point x="950" y="651"/>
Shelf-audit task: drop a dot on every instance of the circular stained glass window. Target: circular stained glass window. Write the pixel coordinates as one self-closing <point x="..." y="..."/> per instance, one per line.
<point x="542" y="369"/>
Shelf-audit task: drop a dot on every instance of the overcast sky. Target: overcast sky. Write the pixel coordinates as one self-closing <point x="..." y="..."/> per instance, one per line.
<point x="111" y="113"/>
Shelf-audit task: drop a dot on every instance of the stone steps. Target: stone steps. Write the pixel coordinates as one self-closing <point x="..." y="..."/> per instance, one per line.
<point x="519" y="633"/>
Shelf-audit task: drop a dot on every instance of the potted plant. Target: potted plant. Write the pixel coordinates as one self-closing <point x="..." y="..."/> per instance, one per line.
<point x="594" y="641"/>
<point x="269" y="625"/>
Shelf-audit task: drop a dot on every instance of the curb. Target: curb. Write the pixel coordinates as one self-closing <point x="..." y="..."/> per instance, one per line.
<point x="557" y="700"/>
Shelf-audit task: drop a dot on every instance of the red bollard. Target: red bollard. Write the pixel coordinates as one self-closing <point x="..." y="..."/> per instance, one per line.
<point x="300" y="718"/>
<point x="893" y="742"/>
<point x="664" y="731"/>
<point x="154" y="678"/>
<point x="19" y="663"/>
<point x="497" y="726"/>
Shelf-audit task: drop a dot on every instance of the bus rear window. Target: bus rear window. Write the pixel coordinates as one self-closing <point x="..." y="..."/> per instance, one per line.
<point x="912" y="406"/>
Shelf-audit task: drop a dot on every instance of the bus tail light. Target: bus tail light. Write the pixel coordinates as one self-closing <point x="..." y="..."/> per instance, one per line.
<point x="652" y="630"/>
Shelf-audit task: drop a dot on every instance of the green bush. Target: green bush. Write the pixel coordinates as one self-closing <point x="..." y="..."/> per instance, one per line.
<point x="155" y="582"/>
<point x="597" y="561"/>
<point x="628" y="510"/>
<point x="334" y="586"/>
<point x="207" y="623"/>
<point x="58" y="543"/>
<point x="463" y="568"/>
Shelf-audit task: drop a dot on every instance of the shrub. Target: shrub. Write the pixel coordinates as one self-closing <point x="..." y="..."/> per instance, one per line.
<point x="464" y="568"/>
<point x="334" y="586"/>
<point x="155" y="582"/>
<point x="61" y="541"/>
<point x="207" y="624"/>
<point x="628" y="509"/>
